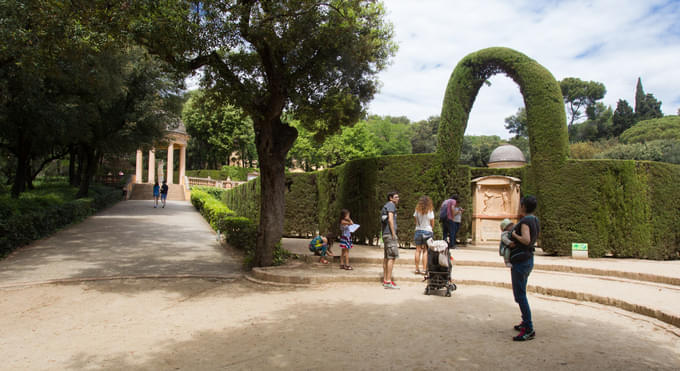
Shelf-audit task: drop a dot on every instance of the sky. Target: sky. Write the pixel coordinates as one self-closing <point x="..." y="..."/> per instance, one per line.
<point x="612" y="42"/>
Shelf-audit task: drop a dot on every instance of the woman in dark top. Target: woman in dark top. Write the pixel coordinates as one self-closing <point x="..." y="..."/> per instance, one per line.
<point x="522" y="259"/>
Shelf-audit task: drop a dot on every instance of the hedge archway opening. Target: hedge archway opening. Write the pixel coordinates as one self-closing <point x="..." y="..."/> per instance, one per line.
<point x="547" y="122"/>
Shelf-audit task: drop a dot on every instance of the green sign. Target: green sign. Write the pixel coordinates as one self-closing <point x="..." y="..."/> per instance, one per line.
<point x="579" y="247"/>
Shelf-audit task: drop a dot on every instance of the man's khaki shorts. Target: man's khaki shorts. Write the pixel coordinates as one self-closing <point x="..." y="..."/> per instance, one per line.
<point x="391" y="247"/>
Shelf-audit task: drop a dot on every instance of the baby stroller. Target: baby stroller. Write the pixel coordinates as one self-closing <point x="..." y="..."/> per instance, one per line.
<point x="438" y="274"/>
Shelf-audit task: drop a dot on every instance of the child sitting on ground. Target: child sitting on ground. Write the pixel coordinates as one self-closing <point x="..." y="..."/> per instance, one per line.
<point x="506" y="240"/>
<point x="321" y="246"/>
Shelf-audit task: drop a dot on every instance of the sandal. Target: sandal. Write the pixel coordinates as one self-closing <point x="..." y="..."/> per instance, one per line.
<point x="349" y="268"/>
<point x="323" y="261"/>
<point x="342" y="266"/>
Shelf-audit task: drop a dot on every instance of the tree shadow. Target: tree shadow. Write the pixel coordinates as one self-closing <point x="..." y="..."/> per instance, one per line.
<point x="126" y="241"/>
<point x="422" y="333"/>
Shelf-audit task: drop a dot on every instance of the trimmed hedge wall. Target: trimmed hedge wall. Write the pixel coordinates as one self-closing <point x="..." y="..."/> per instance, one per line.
<point x="240" y="232"/>
<point x="620" y="208"/>
<point x="21" y="229"/>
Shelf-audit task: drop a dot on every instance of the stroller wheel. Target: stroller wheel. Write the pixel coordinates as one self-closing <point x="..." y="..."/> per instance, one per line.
<point x="448" y="293"/>
<point x="453" y="287"/>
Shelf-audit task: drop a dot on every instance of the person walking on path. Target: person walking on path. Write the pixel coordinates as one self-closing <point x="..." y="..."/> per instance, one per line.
<point x="345" y="239"/>
<point x="424" y="221"/>
<point x="156" y="194"/>
<point x="389" y="236"/>
<point x="525" y="234"/>
<point x="164" y="192"/>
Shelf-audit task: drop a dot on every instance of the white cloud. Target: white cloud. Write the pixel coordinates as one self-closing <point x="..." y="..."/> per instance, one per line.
<point x="617" y="41"/>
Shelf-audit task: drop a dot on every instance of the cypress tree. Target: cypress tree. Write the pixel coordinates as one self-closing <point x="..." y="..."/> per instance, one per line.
<point x="639" y="96"/>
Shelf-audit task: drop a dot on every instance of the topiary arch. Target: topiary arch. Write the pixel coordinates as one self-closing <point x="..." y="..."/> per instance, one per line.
<point x="547" y="123"/>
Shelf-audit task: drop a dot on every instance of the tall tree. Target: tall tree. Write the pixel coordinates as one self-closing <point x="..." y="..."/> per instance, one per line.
<point x="393" y="134"/>
<point x="597" y="126"/>
<point x="316" y="60"/>
<point x="476" y="149"/>
<point x="218" y="129"/>
<point x="646" y="105"/>
<point x="517" y="123"/>
<point x="623" y="117"/>
<point x="579" y="95"/>
<point x="424" y="135"/>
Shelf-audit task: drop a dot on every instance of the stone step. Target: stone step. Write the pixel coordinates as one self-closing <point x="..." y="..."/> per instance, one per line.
<point x="145" y="192"/>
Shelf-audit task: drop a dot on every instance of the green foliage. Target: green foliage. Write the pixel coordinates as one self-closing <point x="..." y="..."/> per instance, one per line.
<point x="477" y="149"/>
<point x="597" y="126"/>
<point x="616" y="209"/>
<point x="424" y="134"/>
<point x="217" y="129"/>
<point x="646" y="105"/>
<point x="580" y="95"/>
<point x="656" y="150"/>
<point x="542" y="97"/>
<point x="517" y="123"/>
<point x="667" y="128"/>
<point x="620" y="208"/>
<point x="239" y="232"/>
<point x="623" y="117"/>
<point x="584" y="150"/>
<point x="351" y="143"/>
<point x="393" y="134"/>
<point x="232" y="172"/>
<point x="37" y="214"/>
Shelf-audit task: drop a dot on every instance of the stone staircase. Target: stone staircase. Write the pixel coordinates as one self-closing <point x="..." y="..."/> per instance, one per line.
<point x="145" y="192"/>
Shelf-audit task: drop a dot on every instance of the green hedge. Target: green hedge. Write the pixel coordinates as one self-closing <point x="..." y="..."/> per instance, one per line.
<point x="240" y="232"/>
<point x="620" y="208"/>
<point x="20" y="226"/>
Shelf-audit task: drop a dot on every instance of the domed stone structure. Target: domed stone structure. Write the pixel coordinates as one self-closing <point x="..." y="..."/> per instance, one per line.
<point x="506" y="156"/>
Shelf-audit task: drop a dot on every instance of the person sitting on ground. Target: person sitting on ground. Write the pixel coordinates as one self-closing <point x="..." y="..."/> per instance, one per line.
<point x="321" y="246"/>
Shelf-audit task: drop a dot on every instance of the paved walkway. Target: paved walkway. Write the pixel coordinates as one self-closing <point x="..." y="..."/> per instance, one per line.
<point x="646" y="287"/>
<point x="129" y="240"/>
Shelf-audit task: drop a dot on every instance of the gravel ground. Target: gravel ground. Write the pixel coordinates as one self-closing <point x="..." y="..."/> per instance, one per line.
<point x="194" y="324"/>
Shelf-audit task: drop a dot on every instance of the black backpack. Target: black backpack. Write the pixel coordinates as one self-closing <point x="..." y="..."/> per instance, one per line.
<point x="443" y="211"/>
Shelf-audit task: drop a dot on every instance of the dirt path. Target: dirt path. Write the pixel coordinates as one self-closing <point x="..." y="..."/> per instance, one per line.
<point x="190" y="324"/>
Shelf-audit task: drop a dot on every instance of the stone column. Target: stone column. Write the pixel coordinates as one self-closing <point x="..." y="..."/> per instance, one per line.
<point x="152" y="166"/>
<point x="182" y="162"/>
<point x="138" y="167"/>
<point x="171" y="148"/>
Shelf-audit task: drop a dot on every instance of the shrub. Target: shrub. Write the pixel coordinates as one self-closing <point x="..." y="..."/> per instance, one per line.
<point x="240" y="232"/>
<point x="38" y="214"/>
<point x="667" y="127"/>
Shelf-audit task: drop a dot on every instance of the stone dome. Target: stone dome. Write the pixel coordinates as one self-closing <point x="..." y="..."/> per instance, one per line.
<point x="506" y="154"/>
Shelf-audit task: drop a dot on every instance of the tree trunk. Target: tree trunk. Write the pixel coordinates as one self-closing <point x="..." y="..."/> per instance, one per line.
<point x="273" y="139"/>
<point x="88" y="174"/>
<point x="21" y="173"/>
<point x="30" y="176"/>
<point x="72" y="166"/>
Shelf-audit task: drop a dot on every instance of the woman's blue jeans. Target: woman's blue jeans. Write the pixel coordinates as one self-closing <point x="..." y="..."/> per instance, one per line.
<point x="520" y="276"/>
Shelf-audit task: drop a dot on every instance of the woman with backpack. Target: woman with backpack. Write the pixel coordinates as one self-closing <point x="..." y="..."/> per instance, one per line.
<point x="450" y="218"/>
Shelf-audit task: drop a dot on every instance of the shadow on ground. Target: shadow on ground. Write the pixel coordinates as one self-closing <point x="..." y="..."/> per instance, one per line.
<point x="315" y="329"/>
